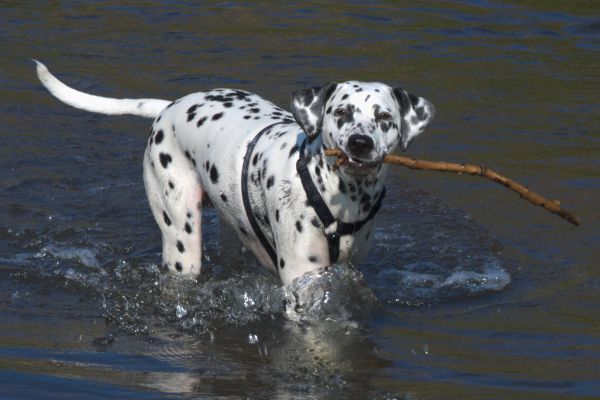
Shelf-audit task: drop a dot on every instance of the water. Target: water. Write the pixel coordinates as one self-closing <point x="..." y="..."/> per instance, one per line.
<point x="469" y="291"/>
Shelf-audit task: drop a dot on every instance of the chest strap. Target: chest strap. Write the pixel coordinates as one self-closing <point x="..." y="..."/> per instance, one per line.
<point x="246" y="197"/>
<point x="333" y="228"/>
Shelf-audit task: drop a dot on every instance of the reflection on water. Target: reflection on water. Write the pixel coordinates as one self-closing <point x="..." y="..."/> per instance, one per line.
<point x="470" y="294"/>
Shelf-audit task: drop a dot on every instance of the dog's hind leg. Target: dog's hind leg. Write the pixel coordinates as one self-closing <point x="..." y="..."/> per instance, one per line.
<point x="175" y="196"/>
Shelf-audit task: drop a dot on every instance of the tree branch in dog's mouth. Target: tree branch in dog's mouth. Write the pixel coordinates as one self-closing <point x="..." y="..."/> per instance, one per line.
<point x="552" y="206"/>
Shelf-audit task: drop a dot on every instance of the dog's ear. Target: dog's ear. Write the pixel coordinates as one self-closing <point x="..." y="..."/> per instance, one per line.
<point x="308" y="108"/>
<point x="416" y="113"/>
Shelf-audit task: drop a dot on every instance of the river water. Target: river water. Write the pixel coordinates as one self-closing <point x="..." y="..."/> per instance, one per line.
<point x="469" y="293"/>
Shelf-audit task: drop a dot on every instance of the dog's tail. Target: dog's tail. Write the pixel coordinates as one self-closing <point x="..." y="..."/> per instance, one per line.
<point x="149" y="108"/>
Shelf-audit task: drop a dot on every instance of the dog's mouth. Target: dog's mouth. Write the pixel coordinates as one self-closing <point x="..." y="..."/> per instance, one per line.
<point x="356" y="166"/>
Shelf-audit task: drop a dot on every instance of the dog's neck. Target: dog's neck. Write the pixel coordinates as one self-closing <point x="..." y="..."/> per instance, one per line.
<point x="349" y="198"/>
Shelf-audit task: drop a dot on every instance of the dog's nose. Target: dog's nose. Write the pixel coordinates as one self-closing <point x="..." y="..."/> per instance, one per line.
<point x="360" y="144"/>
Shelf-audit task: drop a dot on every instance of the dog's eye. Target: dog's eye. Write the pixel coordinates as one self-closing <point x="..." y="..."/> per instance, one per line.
<point x="384" y="116"/>
<point x="340" y="112"/>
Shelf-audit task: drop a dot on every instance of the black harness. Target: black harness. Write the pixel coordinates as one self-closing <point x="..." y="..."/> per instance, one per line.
<point x="246" y="197"/>
<point x="333" y="228"/>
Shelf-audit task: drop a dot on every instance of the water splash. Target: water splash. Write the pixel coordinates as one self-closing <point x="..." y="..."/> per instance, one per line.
<point x="426" y="253"/>
<point x="426" y="282"/>
<point x="85" y="256"/>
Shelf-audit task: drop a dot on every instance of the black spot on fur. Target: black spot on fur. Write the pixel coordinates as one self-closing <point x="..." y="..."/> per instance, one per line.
<point x="200" y="122"/>
<point x="188" y="228"/>
<point x="214" y="174"/>
<point x="171" y="185"/>
<point x="244" y="232"/>
<point x="217" y="98"/>
<point x="207" y="165"/>
<point x="342" y="186"/>
<point x="187" y="155"/>
<point x="159" y="137"/>
<point x="178" y="266"/>
<point x="223" y="197"/>
<point x="313" y="259"/>
<point x="298" y="226"/>
<point x="227" y="104"/>
<point x="165" y="159"/>
<point x="217" y="116"/>
<point x="277" y="215"/>
<point x="315" y="222"/>
<point x="270" y="181"/>
<point x="255" y="159"/>
<point x="281" y="263"/>
<point x="166" y="218"/>
<point x="293" y="150"/>
<point x="180" y="246"/>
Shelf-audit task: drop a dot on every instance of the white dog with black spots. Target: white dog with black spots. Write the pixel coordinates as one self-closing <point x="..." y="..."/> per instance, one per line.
<point x="265" y="169"/>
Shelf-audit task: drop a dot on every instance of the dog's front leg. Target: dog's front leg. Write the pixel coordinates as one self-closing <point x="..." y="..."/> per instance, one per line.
<point x="301" y="248"/>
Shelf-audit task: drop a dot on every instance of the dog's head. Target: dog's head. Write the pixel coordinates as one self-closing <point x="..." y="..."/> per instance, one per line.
<point x="366" y="120"/>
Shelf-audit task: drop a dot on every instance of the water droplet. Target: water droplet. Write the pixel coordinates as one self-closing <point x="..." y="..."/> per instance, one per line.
<point x="180" y="311"/>
<point x="248" y="302"/>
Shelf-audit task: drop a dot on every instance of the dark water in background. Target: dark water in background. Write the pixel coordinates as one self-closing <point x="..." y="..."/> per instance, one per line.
<point x="470" y="292"/>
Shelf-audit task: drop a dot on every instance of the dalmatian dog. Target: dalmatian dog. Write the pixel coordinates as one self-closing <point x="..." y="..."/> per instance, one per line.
<point x="265" y="169"/>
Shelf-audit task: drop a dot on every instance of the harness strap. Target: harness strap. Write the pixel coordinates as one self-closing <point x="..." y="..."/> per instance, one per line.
<point x="246" y="197"/>
<point x="333" y="228"/>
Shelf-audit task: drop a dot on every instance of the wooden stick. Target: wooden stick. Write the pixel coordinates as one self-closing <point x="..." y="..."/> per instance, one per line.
<point x="552" y="206"/>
